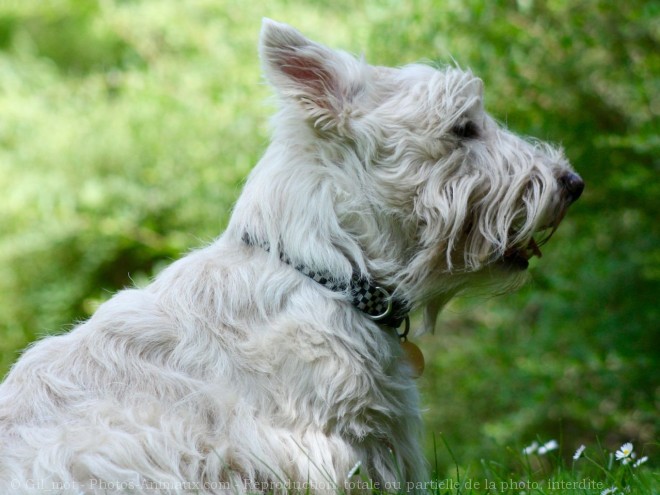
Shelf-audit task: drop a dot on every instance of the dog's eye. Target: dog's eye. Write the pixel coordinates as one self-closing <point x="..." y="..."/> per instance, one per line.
<point x="467" y="130"/>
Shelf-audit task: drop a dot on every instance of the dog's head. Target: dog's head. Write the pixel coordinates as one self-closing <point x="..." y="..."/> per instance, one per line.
<point x="430" y="194"/>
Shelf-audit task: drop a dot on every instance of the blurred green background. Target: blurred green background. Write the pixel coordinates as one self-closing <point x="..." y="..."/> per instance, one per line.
<point x="127" y="128"/>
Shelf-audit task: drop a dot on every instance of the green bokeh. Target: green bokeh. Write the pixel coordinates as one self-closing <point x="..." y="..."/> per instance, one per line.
<point x="127" y="128"/>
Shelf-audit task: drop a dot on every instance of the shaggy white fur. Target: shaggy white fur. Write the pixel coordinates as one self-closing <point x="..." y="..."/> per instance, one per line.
<point x="234" y="372"/>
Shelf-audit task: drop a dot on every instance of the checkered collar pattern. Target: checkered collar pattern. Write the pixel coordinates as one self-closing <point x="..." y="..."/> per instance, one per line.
<point x="374" y="301"/>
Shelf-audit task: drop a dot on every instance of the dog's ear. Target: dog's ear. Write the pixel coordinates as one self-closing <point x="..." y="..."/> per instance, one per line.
<point x="320" y="79"/>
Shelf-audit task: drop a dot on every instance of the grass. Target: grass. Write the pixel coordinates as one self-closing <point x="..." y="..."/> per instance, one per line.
<point x="535" y="469"/>
<point x="539" y="469"/>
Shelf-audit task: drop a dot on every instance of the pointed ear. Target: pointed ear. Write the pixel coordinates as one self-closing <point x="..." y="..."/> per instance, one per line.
<point x="320" y="79"/>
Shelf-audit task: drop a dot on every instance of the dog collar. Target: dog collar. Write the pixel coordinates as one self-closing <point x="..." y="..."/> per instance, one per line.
<point x="375" y="301"/>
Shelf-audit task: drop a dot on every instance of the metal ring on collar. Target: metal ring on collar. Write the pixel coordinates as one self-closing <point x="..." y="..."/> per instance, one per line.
<point x="387" y="311"/>
<point x="404" y="336"/>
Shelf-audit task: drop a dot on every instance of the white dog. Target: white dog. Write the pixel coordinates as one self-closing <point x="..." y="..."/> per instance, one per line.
<point x="271" y="358"/>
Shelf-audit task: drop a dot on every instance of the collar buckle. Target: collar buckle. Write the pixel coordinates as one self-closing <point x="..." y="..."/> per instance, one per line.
<point x="388" y="310"/>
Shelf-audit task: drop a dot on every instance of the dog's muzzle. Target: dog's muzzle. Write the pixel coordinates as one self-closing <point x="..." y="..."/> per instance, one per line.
<point x="517" y="257"/>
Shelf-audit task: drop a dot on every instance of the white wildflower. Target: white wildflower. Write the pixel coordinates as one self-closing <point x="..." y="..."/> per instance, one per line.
<point x="641" y="461"/>
<point x="624" y="452"/>
<point x="548" y="446"/>
<point x="608" y="491"/>
<point x="578" y="452"/>
<point x="530" y="449"/>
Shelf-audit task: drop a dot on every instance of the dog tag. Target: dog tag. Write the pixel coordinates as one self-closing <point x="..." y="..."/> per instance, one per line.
<point x="414" y="356"/>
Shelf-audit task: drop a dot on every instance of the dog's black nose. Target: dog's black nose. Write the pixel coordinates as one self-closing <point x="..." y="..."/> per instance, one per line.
<point x="572" y="184"/>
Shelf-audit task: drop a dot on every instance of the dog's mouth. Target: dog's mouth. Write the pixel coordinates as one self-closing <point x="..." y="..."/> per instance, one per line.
<point x="517" y="257"/>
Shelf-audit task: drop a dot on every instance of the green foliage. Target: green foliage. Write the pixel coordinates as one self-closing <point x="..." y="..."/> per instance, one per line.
<point x="128" y="126"/>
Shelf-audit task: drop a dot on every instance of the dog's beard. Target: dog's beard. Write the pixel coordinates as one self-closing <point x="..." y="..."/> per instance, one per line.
<point x="503" y="269"/>
<point x="492" y="280"/>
